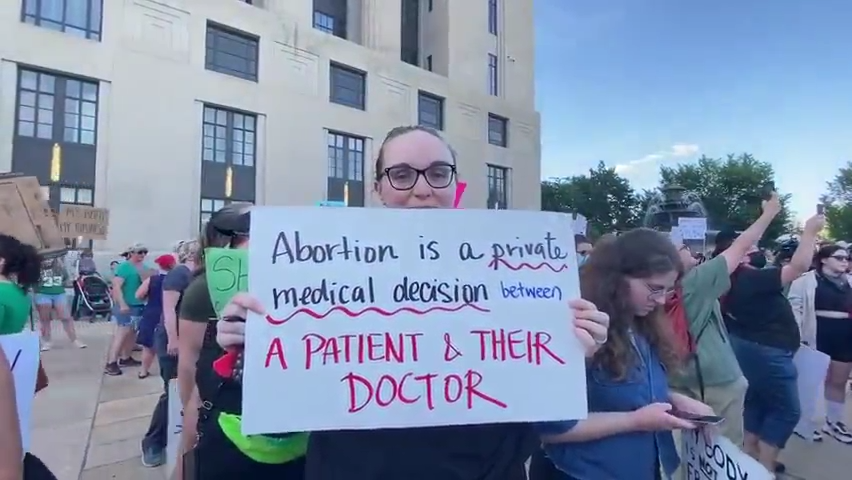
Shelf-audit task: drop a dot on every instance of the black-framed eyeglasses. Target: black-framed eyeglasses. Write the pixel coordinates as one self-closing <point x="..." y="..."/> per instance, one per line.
<point x="404" y="177"/>
<point x="840" y="258"/>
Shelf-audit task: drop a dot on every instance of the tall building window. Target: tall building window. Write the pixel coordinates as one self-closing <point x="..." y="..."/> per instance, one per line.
<point x="492" y="17"/>
<point x="493" y="84"/>
<point x="345" y="169"/>
<point x="498" y="179"/>
<point x="348" y="86"/>
<point x="231" y="52"/>
<point x="429" y="62"/>
<point x="55" y="136"/>
<point x="81" y="18"/>
<point x="330" y="16"/>
<point x="228" y="158"/>
<point x="430" y="110"/>
<point x="497" y="130"/>
<point x="324" y="22"/>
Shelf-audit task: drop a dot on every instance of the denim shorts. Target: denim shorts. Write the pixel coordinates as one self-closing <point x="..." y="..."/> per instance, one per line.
<point x="130" y="318"/>
<point x="771" y="409"/>
<point x="51" y="300"/>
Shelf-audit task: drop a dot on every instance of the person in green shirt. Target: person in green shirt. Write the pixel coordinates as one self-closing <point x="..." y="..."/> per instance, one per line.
<point x="129" y="276"/>
<point x="52" y="302"/>
<point x="20" y="270"/>
<point x="711" y="372"/>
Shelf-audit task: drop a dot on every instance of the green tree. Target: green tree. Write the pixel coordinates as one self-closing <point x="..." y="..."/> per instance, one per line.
<point x="604" y="197"/>
<point x="838" y="205"/>
<point x="731" y="190"/>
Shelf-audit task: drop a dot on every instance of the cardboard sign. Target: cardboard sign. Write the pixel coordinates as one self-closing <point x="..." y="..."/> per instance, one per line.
<point x="717" y="460"/>
<point x="22" y="351"/>
<point x="25" y="215"/>
<point x="175" y="415"/>
<point x="77" y="221"/>
<point x="392" y="318"/>
<point x="227" y="274"/>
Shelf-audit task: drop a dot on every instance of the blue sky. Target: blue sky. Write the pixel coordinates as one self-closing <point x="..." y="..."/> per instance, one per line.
<point x="640" y="83"/>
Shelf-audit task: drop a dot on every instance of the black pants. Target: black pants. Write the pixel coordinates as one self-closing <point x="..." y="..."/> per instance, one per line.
<point x="216" y="458"/>
<point x="157" y="436"/>
<point x="35" y="469"/>
<point x="541" y="468"/>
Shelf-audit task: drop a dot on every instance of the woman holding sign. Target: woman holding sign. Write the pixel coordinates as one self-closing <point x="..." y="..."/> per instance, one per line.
<point x="632" y="410"/>
<point x="416" y="168"/>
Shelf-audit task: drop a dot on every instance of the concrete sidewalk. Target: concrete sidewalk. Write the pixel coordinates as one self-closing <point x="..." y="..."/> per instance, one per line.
<point x="88" y="427"/>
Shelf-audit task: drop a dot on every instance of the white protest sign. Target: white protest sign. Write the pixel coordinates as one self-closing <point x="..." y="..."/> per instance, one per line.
<point x="719" y="460"/>
<point x="390" y="318"/>
<point x="692" y="228"/>
<point x="676" y="235"/>
<point x="22" y="351"/>
<point x="580" y="224"/>
<point x="175" y="427"/>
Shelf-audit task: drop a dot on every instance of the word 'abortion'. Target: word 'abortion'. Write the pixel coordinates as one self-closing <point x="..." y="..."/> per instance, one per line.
<point x="294" y="248"/>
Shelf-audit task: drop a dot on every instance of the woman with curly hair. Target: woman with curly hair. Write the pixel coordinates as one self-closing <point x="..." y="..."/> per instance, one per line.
<point x="630" y="405"/>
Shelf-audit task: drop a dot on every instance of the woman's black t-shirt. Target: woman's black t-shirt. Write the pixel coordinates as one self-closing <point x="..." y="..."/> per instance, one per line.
<point x="757" y="310"/>
<point x="467" y="452"/>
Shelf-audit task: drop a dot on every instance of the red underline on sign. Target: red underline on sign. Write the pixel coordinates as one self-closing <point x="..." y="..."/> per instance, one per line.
<point x="497" y="261"/>
<point x="353" y="314"/>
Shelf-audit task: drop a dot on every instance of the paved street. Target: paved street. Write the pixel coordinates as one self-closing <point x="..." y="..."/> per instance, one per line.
<point x="88" y="427"/>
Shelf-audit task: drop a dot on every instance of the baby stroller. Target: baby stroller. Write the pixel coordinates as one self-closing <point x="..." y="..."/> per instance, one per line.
<point x="94" y="296"/>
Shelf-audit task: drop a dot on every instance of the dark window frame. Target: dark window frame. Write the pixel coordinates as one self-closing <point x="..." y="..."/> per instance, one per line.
<point x="498" y="187"/>
<point x="430" y="100"/>
<point x="493" y="75"/>
<point x="493" y="17"/>
<point x="339" y="72"/>
<point x="31" y="13"/>
<point x="429" y="62"/>
<point x="345" y="155"/>
<point x="317" y="24"/>
<point x="232" y="128"/>
<point x="60" y="106"/>
<point x="498" y="130"/>
<point x="215" y="34"/>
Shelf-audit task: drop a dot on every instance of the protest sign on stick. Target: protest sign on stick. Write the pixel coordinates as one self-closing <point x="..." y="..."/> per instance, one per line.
<point x="25" y="214"/>
<point x="692" y="228"/>
<point x="718" y="459"/>
<point x="389" y="318"/>
<point x="22" y="351"/>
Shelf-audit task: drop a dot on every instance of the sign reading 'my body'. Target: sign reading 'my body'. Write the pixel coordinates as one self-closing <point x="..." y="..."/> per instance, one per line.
<point x="383" y="318"/>
<point x="718" y="459"/>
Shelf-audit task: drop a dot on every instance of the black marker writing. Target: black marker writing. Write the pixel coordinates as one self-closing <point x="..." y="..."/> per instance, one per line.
<point x="429" y="250"/>
<point x="15" y="361"/>
<point x="295" y="250"/>
<point x="466" y="252"/>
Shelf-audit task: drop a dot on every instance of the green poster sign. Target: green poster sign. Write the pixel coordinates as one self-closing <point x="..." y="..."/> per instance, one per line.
<point x="227" y="275"/>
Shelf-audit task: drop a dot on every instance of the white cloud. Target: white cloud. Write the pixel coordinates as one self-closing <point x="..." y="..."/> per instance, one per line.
<point x="677" y="151"/>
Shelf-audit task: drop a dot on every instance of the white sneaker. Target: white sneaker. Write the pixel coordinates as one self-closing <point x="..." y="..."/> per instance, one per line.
<point x="79" y="344"/>
<point x="45" y="346"/>
<point x="839" y="431"/>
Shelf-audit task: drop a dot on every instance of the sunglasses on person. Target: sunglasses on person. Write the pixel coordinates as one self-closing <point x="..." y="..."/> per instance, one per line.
<point x="404" y="177"/>
<point x="140" y="252"/>
<point x="841" y="258"/>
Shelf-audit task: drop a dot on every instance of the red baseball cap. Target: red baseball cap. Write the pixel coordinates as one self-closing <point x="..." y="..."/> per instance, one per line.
<point x="166" y="262"/>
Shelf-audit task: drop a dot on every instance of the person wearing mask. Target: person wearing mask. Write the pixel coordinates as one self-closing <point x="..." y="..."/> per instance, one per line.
<point x="151" y="292"/>
<point x="822" y="303"/>
<point x="416" y="168"/>
<point x="128" y="309"/>
<point x="630" y="402"/>
<point x="174" y="282"/>
<point x="584" y="249"/>
<point x="765" y="336"/>
<point x="52" y="302"/>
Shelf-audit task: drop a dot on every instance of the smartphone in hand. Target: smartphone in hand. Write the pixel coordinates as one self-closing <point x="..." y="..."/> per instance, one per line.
<point x="700" y="420"/>
<point x="767" y="190"/>
<point x="820" y="209"/>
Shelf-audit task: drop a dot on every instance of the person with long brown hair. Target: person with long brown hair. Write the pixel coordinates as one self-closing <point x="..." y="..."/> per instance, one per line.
<point x="629" y="277"/>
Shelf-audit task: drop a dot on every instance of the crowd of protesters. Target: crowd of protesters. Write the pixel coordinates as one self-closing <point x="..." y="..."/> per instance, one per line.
<point x="663" y="330"/>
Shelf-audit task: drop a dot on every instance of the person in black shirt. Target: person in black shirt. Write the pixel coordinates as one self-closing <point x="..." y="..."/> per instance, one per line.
<point x="416" y="168"/>
<point x="765" y="336"/>
<point x="822" y="302"/>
